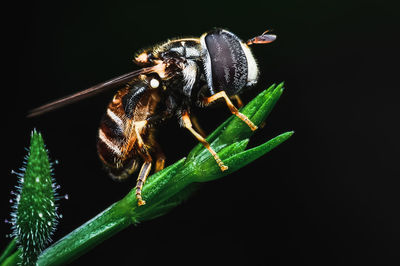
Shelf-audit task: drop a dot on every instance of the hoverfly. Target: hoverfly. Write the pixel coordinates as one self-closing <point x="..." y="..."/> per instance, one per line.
<point x="176" y="75"/>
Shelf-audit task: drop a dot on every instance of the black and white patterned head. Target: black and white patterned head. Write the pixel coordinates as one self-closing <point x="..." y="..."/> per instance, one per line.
<point x="228" y="62"/>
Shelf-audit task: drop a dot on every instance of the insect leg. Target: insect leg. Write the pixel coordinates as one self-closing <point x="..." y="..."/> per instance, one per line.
<point x="188" y="124"/>
<point x="138" y="127"/>
<point x="238" y="100"/>
<point x="143" y="152"/>
<point x="160" y="158"/>
<point x="198" y="127"/>
<point x="232" y="108"/>
<point x="133" y="133"/>
<point x="145" y="170"/>
<point x="143" y="174"/>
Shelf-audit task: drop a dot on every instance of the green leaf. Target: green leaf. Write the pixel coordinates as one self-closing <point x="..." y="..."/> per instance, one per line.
<point x="241" y="159"/>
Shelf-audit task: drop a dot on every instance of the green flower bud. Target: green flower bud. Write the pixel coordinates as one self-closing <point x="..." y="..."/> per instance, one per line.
<point x="34" y="216"/>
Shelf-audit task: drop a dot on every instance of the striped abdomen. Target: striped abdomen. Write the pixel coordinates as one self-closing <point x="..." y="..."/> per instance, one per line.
<point x="123" y="132"/>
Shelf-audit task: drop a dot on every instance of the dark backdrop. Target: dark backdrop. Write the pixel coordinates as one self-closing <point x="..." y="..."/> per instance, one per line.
<point x="328" y="196"/>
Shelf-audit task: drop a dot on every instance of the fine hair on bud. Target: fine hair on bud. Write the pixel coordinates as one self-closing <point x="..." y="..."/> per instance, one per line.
<point x="34" y="216"/>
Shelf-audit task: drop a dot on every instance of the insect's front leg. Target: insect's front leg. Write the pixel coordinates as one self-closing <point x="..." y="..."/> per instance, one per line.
<point x="185" y="118"/>
<point x="232" y="108"/>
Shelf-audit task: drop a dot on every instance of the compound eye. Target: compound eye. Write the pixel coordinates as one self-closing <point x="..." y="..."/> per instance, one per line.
<point x="229" y="68"/>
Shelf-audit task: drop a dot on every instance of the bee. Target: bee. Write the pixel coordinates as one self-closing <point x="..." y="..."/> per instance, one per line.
<point x="175" y="76"/>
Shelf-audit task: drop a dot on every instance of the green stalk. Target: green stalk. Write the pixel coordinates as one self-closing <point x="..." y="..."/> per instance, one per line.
<point x="12" y="246"/>
<point x="103" y="226"/>
<point x="14" y="259"/>
<point x="106" y="224"/>
<point x="168" y="188"/>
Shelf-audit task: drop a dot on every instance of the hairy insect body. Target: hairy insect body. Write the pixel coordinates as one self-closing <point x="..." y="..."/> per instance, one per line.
<point x="175" y="76"/>
<point x="124" y="139"/>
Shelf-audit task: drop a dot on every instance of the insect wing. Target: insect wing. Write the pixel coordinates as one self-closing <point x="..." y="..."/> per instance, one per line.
<point x="109" y="84"/>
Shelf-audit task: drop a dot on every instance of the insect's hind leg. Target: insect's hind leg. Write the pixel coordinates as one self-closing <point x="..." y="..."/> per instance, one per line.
<point x="146" y="166"/>
<point x="143" y="174"/>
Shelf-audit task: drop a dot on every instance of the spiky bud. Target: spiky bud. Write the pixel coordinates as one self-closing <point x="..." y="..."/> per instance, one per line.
<point x="34" y="216"/>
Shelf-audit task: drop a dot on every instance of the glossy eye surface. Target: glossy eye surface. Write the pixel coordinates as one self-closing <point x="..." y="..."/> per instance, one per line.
<point x="229" y="68"/>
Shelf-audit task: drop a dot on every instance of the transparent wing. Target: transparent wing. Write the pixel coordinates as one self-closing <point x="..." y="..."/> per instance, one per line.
<point x="109" y="84"/>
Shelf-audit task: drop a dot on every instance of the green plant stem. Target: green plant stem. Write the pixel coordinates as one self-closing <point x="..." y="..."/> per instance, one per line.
<point x="169" y="187"/>
<point x="112" y="220"/>
<point x="11" y="247"/>
<point x="84" y="238"/>
<point x="13" y="259"/>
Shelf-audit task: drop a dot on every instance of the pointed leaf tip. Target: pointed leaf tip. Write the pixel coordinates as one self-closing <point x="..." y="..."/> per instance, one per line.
<point x="242" y="159"/>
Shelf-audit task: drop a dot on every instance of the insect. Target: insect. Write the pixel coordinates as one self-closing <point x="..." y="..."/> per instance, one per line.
<point x="175" y="76"/>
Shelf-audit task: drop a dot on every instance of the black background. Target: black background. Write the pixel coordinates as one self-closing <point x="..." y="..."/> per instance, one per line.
<point x="328" y="196"/>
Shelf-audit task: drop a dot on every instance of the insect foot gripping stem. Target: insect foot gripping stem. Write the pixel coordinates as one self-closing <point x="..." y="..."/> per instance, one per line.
<point x="232" y="108"/>
<point x="187" y="124"/>
<point x="144" y="172"/>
